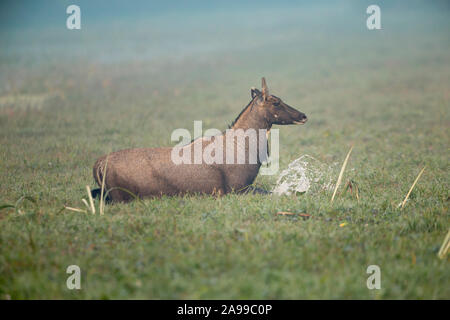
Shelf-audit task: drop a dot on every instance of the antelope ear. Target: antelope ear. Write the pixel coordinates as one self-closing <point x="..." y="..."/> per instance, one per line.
<point x="265" y="90"/>
<point x="255" y="92"/>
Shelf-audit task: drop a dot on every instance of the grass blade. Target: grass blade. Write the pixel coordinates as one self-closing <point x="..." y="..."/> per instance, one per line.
<point x="102" y="202"/>
<point x="22" y="199"/>
<point x="341" y="173"/>
<point x="4" y="206"/>
<point x="412" y="187"/>
<point x="445" y="246"/>
<point x="75" y="209"/>
<point x="86" y="204"/>
<point x="91" y="201"/>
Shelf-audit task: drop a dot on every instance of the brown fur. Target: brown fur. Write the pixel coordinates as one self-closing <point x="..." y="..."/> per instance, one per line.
<point x="150" y="172"/>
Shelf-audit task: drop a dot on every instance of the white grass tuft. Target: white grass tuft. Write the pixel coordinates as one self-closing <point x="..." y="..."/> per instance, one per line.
<point x="305" y="174"/>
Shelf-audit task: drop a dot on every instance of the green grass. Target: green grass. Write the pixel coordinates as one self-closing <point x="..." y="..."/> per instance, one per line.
<point x="386" y="92"/>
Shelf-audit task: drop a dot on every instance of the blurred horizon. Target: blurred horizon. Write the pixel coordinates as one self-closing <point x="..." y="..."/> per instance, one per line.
<point x="149" y="29"/>
<point x="200" y="43"/>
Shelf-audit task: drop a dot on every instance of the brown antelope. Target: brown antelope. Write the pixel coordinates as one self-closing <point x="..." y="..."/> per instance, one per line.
<point x="151" y="172"/>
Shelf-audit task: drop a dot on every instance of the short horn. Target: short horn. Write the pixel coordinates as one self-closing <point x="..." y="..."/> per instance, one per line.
<point x="265" y="91"/>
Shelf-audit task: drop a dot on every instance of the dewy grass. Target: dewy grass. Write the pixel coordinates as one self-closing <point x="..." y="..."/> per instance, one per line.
<point x="392" y="106"/>
<point x="16" y="205"/>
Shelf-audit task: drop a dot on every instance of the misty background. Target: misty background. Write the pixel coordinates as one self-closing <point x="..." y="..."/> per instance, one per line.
<point x="188" y="54"/>
<point x="143" y="30"/>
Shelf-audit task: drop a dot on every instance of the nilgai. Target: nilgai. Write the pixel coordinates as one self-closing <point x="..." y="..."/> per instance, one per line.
<point x="152" y="172"/>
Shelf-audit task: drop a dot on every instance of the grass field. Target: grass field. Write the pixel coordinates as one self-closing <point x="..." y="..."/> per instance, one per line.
<point x="68" y="97"/>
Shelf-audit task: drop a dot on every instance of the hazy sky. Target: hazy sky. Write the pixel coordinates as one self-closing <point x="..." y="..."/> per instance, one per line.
<point x="32" y="13"/>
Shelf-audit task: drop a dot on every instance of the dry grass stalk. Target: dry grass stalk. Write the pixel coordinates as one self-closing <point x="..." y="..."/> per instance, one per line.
<point x="86" y="204"/>
<point x="90" y="207"/>
<point x="102" y="202"/>
<point x="341" y="173"/>
<point x="412" y="187"/>
<point x="445" y="246"/>
<point x="91" y="201"/>
<point x="285" y="213"/>
<point x="75" y="209"/>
